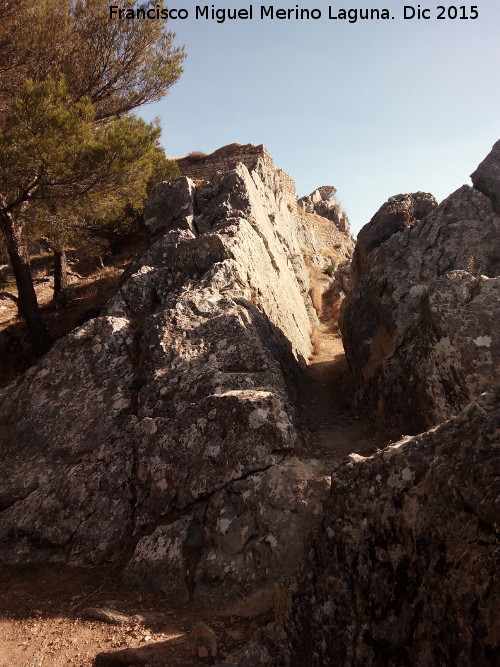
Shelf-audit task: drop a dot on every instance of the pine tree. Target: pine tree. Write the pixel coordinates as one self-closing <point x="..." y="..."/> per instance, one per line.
<point x="68" y="78"/>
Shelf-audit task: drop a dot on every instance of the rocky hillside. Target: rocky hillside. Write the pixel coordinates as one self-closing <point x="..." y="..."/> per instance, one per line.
<point x="401" y="570"/>
<point x="322" y="202"/>
<point x="161" y="435"/>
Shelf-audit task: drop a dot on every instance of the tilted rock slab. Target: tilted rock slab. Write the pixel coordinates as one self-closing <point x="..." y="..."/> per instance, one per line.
<point x="322" y="202"/>
<point x="420" y="323"/>
<point x="160" y="435"/>
<point x="402" y="570"/>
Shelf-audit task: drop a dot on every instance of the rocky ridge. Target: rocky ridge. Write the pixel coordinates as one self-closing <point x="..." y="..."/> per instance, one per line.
<point x="401" y="571"/>
<point x="161" y="435"/>
<point x="322" y="202"/>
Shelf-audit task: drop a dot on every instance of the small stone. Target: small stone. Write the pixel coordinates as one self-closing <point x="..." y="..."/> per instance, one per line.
<point x="202" y="652"/>
<point x="106" y="614"/>
<point x="204" y="631"/>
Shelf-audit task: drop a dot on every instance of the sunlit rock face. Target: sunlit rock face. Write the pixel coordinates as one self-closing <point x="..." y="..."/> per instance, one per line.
<point x="420" y="322"/>
<point x="486" y="177"/>
<point x="161" y="434"/>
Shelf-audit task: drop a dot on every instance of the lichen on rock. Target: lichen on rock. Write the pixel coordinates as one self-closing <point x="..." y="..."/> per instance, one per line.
<point x="423" y="287"/>
<point x="402" y="568"/>
<point x="133" y="438"/>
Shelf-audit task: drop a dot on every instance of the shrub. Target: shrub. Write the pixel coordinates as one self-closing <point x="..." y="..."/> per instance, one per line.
<point x="197" y="155"/>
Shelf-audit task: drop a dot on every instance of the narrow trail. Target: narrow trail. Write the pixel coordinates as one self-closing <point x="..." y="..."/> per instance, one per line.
<point x="336" y="430"/>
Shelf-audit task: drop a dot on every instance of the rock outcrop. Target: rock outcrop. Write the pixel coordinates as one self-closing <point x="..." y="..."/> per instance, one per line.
<point x="322" y="202"/>
<point x="402" y="569"/>
<point x="394" y="216"/>
<point x="319" y="210"/>
<point x="420" y="323"/>
<point x="486" y="178"/>
<point x="160" y="435"/>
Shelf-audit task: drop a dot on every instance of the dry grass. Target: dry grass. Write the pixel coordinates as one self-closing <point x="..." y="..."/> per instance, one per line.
<point x="316" y="342"/>
<point x="331" y="253"/>
<point x="332" y="302"/>
<point x="196" y="155"/>
<point x="317" y="297"/>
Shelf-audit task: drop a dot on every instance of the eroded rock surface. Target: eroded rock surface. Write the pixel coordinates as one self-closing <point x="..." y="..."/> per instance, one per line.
<point x="486" y="178"/>
<point x="420" y="322"/>
<point x="402" y="569"/>
<point x="160" y="435"/>
<point x="322" y="202"/>
<point x="398" y="213"/>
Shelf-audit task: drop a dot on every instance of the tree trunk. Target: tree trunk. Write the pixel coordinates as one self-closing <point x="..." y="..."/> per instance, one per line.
<point x="60" y="271"/>
<point x="28" y="304"/>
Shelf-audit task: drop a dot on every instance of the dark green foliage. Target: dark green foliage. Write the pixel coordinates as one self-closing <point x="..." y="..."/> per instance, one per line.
<point x="75" y="166"/>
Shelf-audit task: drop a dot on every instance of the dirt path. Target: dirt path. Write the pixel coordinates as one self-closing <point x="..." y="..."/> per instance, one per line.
<point x="43" y="622"/>
<point x="324" y="410"/>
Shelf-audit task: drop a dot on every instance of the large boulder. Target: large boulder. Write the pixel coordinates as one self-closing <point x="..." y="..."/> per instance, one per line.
<point x="420" y="322"/>
<point x="170" y="206"/>
<point x="395" y="215"/>
<point x="402" y="570"/>
<point x="486" y="178"/>
<point x="161" y="434"/>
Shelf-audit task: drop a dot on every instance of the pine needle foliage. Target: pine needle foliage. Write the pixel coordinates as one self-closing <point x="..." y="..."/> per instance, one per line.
<point x="72" y="156"/>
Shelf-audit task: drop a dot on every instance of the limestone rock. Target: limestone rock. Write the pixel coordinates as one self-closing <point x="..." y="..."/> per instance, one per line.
<point x="486" y="178"/>
<point x="323" y="216"/>
<point x="322" y="202"/>
<point x="112" y="616"/>
<point x="401" y="571"/>
<point x="245" y="535"/>
<point x="342" y="276"/>
<point x="398" y="213"/>
<point x="420" y="322"/>
<point x="156" y="433"/>
<point x="203" y="631"/>
<point x="171" y="206"/>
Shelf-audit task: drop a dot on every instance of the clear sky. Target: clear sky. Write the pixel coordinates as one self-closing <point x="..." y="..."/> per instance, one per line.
<point x="373" y="107"/>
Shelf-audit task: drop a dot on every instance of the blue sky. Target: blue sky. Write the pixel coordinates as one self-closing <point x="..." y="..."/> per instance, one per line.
<point x="374" y="107"/>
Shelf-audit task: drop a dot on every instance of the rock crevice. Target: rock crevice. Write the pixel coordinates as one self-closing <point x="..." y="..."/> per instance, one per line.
<point x="401" y="571"/>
